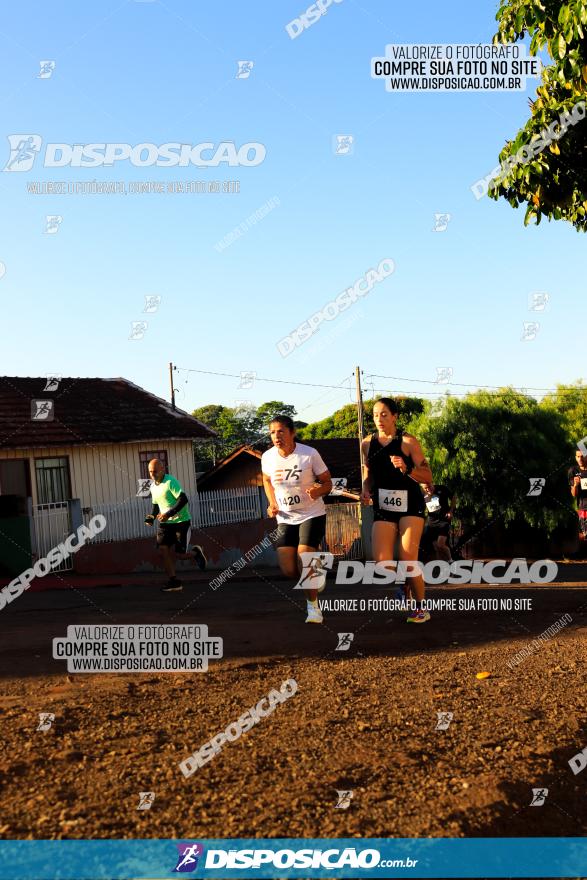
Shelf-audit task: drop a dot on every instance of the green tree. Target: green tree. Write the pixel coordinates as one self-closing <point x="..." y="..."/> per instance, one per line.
<point x="552" y="179"/>
<point x="268" y="411"/>
<point x="487" y="447"/>
<point x="209" y="414"/>
<point x="570" y="403"/>
<point x="343" y="422"/>
<point x="237" y="426"/>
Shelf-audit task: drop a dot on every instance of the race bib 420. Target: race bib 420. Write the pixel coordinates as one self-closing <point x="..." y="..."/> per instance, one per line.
<point x="290" y="500"/>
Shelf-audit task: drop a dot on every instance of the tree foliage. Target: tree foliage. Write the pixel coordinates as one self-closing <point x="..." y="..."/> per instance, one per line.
<point x="487" y="447"/>
<point x="237" y="425"/>
<point x="554" y="182"/>
<point x="343" y="423"/>
<point x="570" y="403"/>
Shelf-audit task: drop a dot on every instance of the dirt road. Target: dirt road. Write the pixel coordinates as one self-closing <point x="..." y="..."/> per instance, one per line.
<point x="363" y="720"/>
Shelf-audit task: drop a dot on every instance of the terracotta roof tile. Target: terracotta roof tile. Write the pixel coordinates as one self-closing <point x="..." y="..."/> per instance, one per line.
<point x="88" y="411"/>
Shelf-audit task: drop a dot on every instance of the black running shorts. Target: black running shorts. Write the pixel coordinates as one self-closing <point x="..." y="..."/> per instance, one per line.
<point x="435" y="530"/>
<point x="389" y="516"/>
<point x="174" y="535"/>
<point x="309" y="533"/>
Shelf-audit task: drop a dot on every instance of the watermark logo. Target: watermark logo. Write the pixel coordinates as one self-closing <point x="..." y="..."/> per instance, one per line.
<point x="144" y="488"/>
<point x="138" y="330"/>
<point x="454" y="67"/>
<point x="52" y="382"/>
<point x="312" y="14"/>
<point x="2" y="269"/>
<point x="332" y="310"/>
<point x="537" y="643"/>
<point x="344" y="641"/>
<point x="344" y="799"/>
<point x="538" y="301"/>
<point x="46" y="71"/>
<point x="142" y="648"/>
<point x="582" y="446"/>
<point x="339" y="484"/>
<point x="462" y="571"/>
<point x="25" y="147"/>
<point x="236" y="729"/>
<point x="539" y="795"/>
<point x="579" y="761"/>
<point x="188" y="856"/>
<point x="314" y="568"/>
<point x="443" y="375"/>
<point x="152" y="303"/>
<point x="266" y="544"/>
<point x="247" y="379"/>
<point x="537" y="484"/>
<point x="530" y="331"/>
<point x="250" y="221"/>
<point x="23" y="151"/>
<point x="52" y="223"/>
<point x="441" y="222"/>
<point x="528" y="152"/>
<point x="444" y="719"/>
<point x="244" y="409"/>
<point x="343" y="144"/>
<point x="244" y="69"/>
<point x="146" y="800"/>
<point x="42" y="410"/>
<point x="46" y="719"/>
<point x="54" y="557"/>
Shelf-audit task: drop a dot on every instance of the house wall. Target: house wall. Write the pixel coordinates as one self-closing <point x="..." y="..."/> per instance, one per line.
<point x="223" y="545"/>
<point x="108" y="472"/>
<point x="244" y="470"/>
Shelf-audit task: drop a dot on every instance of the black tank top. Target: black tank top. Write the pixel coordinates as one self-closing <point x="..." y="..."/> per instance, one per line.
<point x="385" y="475"/>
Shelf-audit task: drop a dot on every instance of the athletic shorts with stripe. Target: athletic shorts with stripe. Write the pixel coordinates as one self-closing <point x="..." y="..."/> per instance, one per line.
<point x="309" y="533"/>
<point x="174" y="535"/>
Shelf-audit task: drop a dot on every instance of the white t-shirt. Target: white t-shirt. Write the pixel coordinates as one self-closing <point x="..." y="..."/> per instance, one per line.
<point x="290" y="476"/>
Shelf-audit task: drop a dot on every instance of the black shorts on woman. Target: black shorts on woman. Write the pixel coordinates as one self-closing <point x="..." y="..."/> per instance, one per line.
<point x="384" y="475"/>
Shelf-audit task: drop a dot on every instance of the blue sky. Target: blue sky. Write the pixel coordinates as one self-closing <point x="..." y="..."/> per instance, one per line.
<point x="159" y="72"/>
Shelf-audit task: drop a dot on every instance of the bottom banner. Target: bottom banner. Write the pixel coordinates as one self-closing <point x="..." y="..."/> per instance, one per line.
<point x="304" y="858"/>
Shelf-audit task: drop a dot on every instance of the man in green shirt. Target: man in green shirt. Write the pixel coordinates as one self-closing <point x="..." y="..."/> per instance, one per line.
<point x="172" y="513"/>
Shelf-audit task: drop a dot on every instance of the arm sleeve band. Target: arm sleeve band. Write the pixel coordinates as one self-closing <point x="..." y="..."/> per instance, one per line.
<point x="181" y="502"/>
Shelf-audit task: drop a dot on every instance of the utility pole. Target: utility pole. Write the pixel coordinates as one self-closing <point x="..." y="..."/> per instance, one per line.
<point x="172" y="388"/>
<point x="360" y="423"/>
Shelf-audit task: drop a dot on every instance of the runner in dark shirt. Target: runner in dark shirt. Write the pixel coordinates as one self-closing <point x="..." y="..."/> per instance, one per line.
<point x="578" y="484"/>
<point x="394" y="465"/>
<point x="440" y="505"/>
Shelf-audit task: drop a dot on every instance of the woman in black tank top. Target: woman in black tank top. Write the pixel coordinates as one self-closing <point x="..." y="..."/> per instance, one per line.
<point x="394" y="467"/>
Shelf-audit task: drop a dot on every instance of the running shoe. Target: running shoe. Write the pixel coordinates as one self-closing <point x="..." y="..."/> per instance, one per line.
<point x="314" y="613"/>
<point x="199" y="557"/>
<point x="418" y="617"/>
<point x="173" y="585"/>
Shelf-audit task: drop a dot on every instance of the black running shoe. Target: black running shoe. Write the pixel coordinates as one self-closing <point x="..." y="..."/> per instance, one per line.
<point x="199" y="557"/>
<point x="173" y="585"/>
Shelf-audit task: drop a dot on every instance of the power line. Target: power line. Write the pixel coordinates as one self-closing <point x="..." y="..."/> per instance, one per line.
<point x="569" y="390"/>
<point x="522" y="389"/>
<point x="261" y="379"/>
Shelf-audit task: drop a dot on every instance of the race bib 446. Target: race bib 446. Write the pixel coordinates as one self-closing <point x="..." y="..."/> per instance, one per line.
<point x="394" y="499"/>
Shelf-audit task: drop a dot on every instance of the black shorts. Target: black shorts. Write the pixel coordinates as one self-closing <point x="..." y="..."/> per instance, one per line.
<point x="309" y="533"/>
<point x="174" y="535"/>
<point x="389" y="515"/>
<point x="435" y="529"/>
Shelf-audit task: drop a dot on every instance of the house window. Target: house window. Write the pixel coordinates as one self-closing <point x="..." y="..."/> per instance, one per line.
<point x="53" y="484"/>
<point x="145" y="458"/>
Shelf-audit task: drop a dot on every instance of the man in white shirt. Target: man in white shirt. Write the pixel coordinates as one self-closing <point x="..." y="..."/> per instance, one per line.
<point x="295" y="479"/>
